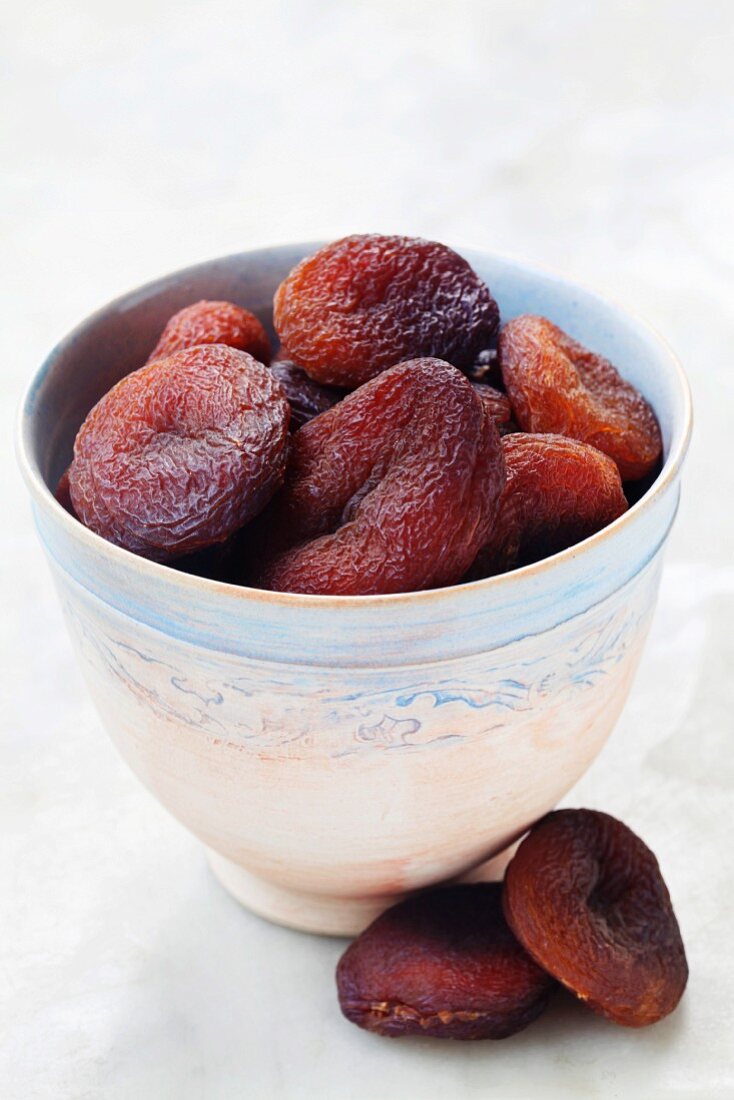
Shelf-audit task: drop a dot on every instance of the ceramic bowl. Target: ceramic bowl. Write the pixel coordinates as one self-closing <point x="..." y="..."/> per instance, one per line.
<point x="335" y="753"/>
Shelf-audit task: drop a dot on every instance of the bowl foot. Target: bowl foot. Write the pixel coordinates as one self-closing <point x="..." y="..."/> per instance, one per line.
<point x="320" y="913"/>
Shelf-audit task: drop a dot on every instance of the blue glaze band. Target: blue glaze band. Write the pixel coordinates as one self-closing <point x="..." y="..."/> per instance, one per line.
<point x="352" y="632"/>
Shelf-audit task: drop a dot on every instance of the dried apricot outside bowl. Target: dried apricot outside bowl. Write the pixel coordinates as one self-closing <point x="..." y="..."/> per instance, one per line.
<point x="586" y="898"/>
<point x="335" y="753"/>
<point x="442" y="963"/>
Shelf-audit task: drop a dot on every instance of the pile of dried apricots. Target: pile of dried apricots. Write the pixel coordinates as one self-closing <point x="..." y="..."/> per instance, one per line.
<point x="400" y="440"/>
<point x="583" y="905"/>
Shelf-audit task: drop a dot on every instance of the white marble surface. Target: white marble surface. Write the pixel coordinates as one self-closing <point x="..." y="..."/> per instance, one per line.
<point x="139" y="137"/>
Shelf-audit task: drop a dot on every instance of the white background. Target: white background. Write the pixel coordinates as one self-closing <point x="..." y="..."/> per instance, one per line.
<point x="142" y="136"/>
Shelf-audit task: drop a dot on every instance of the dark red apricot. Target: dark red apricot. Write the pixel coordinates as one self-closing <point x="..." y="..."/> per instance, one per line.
<point x="63" y="493"/>
<point x="496" y="403"/>
<point x="556" y="385"/>
<point x="306" y="398"/>
<point x="558" y="492"/>
<point x="443" y="964"/>
<point x="366" y="302"/>
<point x="392" y="490"/>
<point x="181" y="453"/>
<point x="586" y="899"/>
<point x="213" y="323"/>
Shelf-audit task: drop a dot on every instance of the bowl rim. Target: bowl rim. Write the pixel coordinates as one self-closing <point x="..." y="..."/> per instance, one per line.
<point x="187" y="581"/>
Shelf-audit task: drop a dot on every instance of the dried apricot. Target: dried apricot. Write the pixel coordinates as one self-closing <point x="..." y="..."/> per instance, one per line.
<point x="496" y="403"/>
<point x="558" y="491"/>
<point x="444" y="964"/>
<point x="181" y="453"/>
<point x="213" y="323"/>
<point x="63" y="493"/>
<point x="367" y="302"/>
<point x="392" y="490"/>
<point x="557" y="385"/>
<point x="586" y="898"/>
<point x="306" y="398"/>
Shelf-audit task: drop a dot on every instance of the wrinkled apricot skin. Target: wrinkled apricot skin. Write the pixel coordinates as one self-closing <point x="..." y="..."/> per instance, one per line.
<point x="306" y="398"/>
<point x="392" y="490"/>
<point x="443" y="964"/>
<point x="556" y="385"/>
<point x="585" y="897"/>
<point x="181" y="453"/>
<point x="558" y="492"/>
<point x="496" y="403"/>
<point x="213" y="323"/>
<point x="63" y="493"/>
<point x="364" y="303"/>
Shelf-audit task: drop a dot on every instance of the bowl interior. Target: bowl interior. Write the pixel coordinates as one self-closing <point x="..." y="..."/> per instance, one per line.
<point x="118" y="338"/>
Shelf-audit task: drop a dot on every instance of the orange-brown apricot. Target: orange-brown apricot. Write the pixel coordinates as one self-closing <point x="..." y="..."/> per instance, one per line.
<point x="213" y="323"/>
<point x="558" y="491"/>
<point x="586" y="899"/>
<point x="556" y="385"/>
